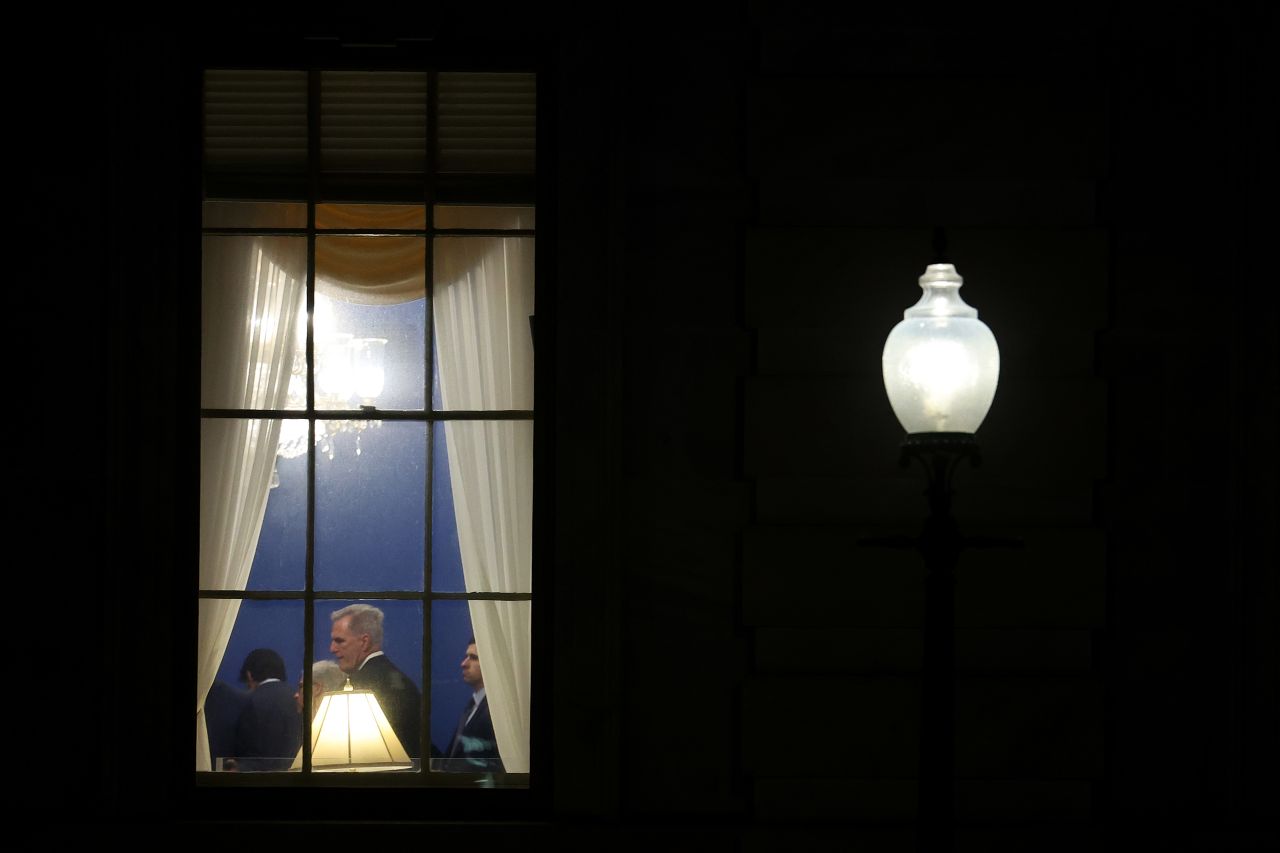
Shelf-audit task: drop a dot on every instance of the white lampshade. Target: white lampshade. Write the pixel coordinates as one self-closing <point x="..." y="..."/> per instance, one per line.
<point x="941" y="363"/>
<point x="351" y="733"/>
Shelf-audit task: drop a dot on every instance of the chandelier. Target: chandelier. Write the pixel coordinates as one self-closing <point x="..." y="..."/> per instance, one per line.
<point x="349" y="375"/>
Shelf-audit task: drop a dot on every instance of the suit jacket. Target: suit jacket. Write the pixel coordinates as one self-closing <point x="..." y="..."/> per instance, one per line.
<point x="269" y="730"/>
<point x="473" y="747"/>
<point x="222" y="709"/>
<point x="398" y="696"/>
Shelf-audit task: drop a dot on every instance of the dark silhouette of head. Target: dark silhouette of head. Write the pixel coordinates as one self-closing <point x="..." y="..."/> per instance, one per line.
<point x="262" y="664"/>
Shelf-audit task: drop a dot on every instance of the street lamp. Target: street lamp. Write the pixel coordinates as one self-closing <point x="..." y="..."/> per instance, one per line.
<point x="941" y="365"/>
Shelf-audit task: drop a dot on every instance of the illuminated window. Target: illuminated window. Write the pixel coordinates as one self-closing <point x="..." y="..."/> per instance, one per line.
<point x="367" y="415"/>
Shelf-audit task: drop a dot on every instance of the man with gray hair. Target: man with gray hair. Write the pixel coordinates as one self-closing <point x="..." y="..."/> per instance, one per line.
<point x="326" y="677"/>
<point x="356" y="642"/>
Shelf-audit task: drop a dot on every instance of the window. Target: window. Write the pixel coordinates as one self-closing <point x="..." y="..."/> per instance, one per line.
<point x="367" y="419"/>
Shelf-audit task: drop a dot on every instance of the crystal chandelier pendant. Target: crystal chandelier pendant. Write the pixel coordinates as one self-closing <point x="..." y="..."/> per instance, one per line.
<point x="349" y="371"/>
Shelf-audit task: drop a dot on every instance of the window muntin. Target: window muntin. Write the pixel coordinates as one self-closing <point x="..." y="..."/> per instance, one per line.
<point x="346" y="548"/>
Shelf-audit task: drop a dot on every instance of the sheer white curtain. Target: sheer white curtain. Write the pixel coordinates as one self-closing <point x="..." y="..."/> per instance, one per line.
<point x="253" y="291"/>
<point x="483" y="301"/>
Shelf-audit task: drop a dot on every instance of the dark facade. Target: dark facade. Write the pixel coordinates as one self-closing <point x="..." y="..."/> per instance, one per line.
<point x="738" y="211"/>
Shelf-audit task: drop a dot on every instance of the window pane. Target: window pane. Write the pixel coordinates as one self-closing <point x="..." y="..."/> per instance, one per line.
<point x="373" y="122"/>
<point x="255" y="214"/>
<point x="376" y="217"/>
<point x="493" y="735"/>
<point x="370" y="322"/>
<point x="255" y="126"/>
<point x="446" y="558"/>
<point x="484" y="339"/>
<point x="252" y="531"/>
<point x="370" y="506"/>
<point x="252" y="726"/>
<point x="490" y="465"/>
<point x="486" y="217"/>
<point x="253" y="302"/>
<point x="487" y="123"/>
<point x="280" y="561"/>
<point x="397" y="678"/>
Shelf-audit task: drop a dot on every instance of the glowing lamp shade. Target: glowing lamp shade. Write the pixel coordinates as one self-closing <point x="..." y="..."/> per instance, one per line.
<point x="941" y="363"/>
<point x="351" y="733"/>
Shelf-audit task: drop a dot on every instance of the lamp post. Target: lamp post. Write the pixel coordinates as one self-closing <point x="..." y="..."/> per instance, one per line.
<point x="941" y="365"/>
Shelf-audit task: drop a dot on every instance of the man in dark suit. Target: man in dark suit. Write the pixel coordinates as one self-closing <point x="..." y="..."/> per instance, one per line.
<point x="269" y="730"/>
<point x="222" y="709"/>
<point x="473" y="747"/>
<point x="356" y="642"/>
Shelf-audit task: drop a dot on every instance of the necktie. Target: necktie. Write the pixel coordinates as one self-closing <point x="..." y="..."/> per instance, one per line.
<point x="462" y="724"/>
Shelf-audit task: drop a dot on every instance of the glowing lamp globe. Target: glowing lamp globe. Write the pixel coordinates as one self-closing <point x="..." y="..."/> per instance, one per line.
<point x="941" y="363"/>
